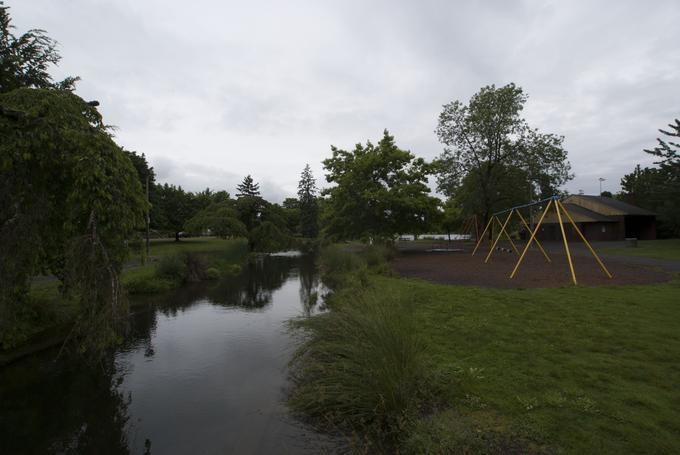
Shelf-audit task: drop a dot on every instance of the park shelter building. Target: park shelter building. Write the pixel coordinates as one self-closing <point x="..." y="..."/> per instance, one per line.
<point x="600" y="218"/>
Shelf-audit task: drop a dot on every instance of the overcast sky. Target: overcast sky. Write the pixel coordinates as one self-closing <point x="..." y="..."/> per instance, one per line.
<point x="213" y="90"/>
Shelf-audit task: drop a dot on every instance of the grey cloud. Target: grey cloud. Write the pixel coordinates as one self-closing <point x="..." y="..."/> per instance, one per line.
<point x="212" y="91"/>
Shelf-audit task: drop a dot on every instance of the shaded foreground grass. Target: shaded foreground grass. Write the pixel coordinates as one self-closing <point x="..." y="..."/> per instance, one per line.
<point x="571" y="370"/>
<point x="659" y="249"/>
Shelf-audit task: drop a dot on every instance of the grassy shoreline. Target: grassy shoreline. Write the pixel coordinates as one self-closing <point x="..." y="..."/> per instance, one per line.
<point x="50" y="316"/>
<point x="572" y="370"/>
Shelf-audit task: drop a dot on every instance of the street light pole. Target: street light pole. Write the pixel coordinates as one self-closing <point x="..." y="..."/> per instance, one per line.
<point x="601" y="180"/>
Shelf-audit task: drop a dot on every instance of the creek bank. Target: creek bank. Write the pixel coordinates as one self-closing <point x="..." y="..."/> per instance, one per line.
<point x="189" y="261"/>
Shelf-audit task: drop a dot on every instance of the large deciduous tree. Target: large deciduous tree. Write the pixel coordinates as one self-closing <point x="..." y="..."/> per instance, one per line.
<point x="308" y="205"/>
<point x="26" y="59"/>
<point x="221" y="218"/>
<point x="486" y="138"/>
<point x="379" y="191"/>
<point x="69" y="200"/>
<point x="173" y="207"/>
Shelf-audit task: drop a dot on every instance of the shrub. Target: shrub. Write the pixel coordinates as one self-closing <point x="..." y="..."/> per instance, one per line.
<point x="148" y="285"/>
<point x="232" y="269"/>
<point x="212" y="274"/>
<point x="268" y="238"/>
<point x="172" y="268"/>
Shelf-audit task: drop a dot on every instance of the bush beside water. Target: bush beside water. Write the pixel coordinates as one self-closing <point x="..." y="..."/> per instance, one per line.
<point x="173" y="270"/>
<point x="362" y="367"/>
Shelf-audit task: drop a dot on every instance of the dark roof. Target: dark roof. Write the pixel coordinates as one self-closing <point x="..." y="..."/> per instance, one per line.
<point x="613" y="204"/>
<point x="579" y="215"/>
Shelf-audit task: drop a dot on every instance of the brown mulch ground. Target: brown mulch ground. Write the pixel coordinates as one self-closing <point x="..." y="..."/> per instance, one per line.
<point x="464" y="269"/>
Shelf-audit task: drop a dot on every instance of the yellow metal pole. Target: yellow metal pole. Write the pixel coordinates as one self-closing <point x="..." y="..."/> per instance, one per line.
<point x="566" y="244"/>
<point x="499" y="235"/>
<point x="537" y="242"/>
<point x="531" y="239"/>
<point x="481" y="238"/>
<point x="578" y="231"/>
<point x="503" y="231"/>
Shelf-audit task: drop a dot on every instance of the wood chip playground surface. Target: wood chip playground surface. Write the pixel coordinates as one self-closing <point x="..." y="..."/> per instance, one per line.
<point x="461" y="268"/>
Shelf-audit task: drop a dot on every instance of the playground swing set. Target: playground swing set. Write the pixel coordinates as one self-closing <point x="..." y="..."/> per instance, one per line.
<point x="470" y="228"/>
<point x="560" y="210"/>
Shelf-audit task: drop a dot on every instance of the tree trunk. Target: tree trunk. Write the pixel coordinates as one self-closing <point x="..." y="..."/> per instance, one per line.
<point x="176" y="236"/>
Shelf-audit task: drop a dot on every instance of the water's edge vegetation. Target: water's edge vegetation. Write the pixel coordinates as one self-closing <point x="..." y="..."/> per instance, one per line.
<point x="49" y="315"/>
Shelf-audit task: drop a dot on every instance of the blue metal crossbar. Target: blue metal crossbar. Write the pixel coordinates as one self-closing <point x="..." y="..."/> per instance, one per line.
<point x="551" y="198"/>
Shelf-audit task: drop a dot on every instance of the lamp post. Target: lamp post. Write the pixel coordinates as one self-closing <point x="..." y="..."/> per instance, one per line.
<point x="601" y="180"/>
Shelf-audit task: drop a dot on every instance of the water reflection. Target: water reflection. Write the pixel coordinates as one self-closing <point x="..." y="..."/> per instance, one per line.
<point x="252" y="288"/>
<point x="202" y="369"/>
<point x="64" y="407"/>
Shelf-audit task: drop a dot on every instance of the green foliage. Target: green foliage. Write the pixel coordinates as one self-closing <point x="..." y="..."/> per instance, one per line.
<point x="173" y="207"/>
<point x="248" y="188"/>
<point x="510" y="185"/>
<point x="69" y="200"/>
<point x="249" y="209"/>
<point x="268" y="238"/>
<point x="658" y="188"/>
<point x="506" y="377"/>
<point x="380" y="191"/>
<point x="362" y="367"/>
<point x="452" y="218"/>
<point x="148" y="284"/>
<point x="486" y="139"/>
<point x="25" y="60"/>
<point x="309" y="208"/>
<point x="212" y="273"/>
<point x="291" y="214"/>
<point x="346" y="266"/>
<point x="173" y="268"/>
<point x="233" y="269"/>
<point x="668" y="152"/>
<point x="220" y="218"/>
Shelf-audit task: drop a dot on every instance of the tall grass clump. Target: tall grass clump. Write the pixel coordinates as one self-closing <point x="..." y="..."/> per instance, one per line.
<point x="343" y="266"/>
<point x="361" y="368"/>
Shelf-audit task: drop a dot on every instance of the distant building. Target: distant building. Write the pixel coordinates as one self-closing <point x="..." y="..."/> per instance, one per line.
<point x="600" y="218"/>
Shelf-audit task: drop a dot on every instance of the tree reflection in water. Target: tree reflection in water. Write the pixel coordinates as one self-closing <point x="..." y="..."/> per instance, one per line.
<point x="71" y="407"/>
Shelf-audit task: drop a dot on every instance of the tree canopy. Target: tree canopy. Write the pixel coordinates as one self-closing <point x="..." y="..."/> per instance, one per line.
<point x="379" y="191"/>
<point x="658" y="188"/>
<point x="248" y="188"/>
<point x="486" y="138"/>
<point x="308" y="204"/>
<point x="69" y="199"/>
<point x="26" y="59"/>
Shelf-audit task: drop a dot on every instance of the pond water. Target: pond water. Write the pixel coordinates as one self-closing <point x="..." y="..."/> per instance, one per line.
<point x="203" y="371"/>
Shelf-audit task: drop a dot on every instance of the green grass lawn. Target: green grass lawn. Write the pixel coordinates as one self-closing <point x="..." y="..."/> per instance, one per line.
<point x="568" y="370"/>
<point x="579" y="370"/>
<point x="658" y="249"/>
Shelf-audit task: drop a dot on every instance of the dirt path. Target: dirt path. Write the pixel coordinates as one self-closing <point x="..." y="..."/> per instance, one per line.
<point x="464" y="269"/>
